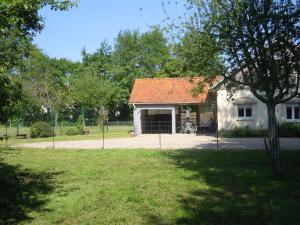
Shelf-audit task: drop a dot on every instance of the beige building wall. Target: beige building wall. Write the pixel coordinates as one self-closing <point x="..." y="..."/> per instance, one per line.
<point x="228" y="111"/>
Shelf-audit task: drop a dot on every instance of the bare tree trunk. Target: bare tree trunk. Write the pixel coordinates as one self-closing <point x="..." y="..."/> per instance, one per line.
<point x="83" y="117"/>
<point x="56" y="119"/>
<point x="273" y="141"/>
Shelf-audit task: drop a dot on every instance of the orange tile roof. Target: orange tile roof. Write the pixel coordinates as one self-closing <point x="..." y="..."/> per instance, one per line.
<point x="166" y="91"/>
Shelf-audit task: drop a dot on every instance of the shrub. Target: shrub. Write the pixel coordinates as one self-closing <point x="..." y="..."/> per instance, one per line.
<point x="67" y="123"/>
<point x="285" y="130"/>
<point x="243" y="132"/>
<point x="41" y="129"/>
<point x="72" y="131"/>
<point x="289" y="130"/>
<point x="80" y="124"/>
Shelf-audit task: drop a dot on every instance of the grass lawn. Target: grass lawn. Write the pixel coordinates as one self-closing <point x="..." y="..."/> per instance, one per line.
<point x="147" y="187"/>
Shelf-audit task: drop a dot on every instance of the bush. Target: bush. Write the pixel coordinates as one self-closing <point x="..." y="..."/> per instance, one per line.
<point x="80" y="124"/>
<point x="72" y="131"/>
<point x="289" y="130"/>
<point x="41" y="129"/>
<point x="285" y="130"/>
<point x="243" y="132"/>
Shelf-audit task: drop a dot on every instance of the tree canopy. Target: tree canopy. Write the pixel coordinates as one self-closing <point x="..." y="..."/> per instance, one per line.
<point x="19" y="22"/>
<point x="258" y="45"/>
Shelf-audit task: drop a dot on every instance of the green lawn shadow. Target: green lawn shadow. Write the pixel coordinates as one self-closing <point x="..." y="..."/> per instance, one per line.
<point x="240" y="189"/>
<point x="22" y="192"/>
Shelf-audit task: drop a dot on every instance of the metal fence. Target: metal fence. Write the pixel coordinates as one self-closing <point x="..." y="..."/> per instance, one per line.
<point x="165" y="127"/>
<point x="111" y="134"/>
<point x="11" y="134"/>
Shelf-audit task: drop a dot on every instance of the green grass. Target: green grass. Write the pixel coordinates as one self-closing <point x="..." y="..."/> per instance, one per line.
<point x="95" y="133"/>
<point x="147" y="187"/>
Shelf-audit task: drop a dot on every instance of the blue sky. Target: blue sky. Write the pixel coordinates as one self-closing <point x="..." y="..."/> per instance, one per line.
<point x="93" y="21"/>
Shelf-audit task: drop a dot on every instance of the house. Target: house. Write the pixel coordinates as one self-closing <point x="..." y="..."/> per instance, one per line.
<point x="168" y="105"/>
<point x="244" y="109"/>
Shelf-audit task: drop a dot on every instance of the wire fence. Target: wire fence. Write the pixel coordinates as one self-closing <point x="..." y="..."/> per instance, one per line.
<point x="12" y="134"/>
<point x="119" y="134"/>
<point x="105" y="133"/>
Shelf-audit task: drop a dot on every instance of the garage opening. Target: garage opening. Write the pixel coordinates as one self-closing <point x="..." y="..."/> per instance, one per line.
<point x="156" y="121"/>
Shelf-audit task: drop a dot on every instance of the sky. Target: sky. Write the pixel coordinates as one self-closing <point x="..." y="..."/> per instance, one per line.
<point x="93" y="21"/>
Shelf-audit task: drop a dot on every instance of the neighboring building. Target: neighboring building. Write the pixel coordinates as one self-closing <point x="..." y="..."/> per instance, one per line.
<point x="168" y="105"/>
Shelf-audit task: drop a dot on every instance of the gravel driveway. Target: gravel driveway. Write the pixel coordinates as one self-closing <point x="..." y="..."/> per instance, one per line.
<point x="168" y="141"/>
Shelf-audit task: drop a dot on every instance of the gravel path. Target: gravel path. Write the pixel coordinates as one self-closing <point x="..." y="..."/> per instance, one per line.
<point x="168" y="141"/>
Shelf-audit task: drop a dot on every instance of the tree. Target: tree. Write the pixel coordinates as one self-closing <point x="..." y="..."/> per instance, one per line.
<point x="19" y="22"/>
<point x="134" y="56"/>
<point x="45" y="81"/>
<point x="138" y="55"/>
<point x="101" y="60"/>
<point x="10" y="93"/>
<point x="198" y="52"/>
<point x="258" y="43"/>
<point x="90" y="90"/>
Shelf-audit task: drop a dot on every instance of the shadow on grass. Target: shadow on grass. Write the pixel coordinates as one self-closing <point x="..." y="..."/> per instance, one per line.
<point x="238" y="189"/>
<point x="21" y="192"/>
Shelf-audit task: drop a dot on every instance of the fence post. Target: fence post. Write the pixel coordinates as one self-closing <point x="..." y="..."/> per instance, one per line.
<point x="103" y="134"/>
<point x="52" y="121"/>
<point x="159" y="136"/>
<point x="6" y="135"/>
<point x="217" y="129"/>
<point x="18" y="123"/>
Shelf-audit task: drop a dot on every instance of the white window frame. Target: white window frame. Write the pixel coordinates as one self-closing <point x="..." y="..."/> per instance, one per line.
<point x="244" y="107"/>
<point x="293" y="106"/>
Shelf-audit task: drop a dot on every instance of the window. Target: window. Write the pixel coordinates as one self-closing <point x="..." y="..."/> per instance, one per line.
<point x="248" y="112"/>
<point x="289" y="114"/>
<point x="241" y="112"/>
<point x="293" y="112"/>
<point x="297" y="113"/>
<point x="244" y="111"/>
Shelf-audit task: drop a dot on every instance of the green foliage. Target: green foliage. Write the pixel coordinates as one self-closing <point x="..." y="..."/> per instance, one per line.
<point x="138" y="55"/>
<point x="45" y="79"/>
<point x="19" y="22"/>
<point x="100" y="61"/>
<point x="199" y="54"/>
<point x="285" y="130"/>
<point x="258" y="44"/>
<point x="90" y="90"/>
<point x="41" y="129"/>
<point x="258" y="39"/>
<point x="10" y="94"/>
<point x="243" y="132"/>
<point x="289" y="130"/>
<point x="4" y="137"/>
<point x="73" y="131"/>
<point x="79" y="124"/>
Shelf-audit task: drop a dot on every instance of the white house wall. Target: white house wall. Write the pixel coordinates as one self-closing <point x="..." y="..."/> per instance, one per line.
<point x="228" y="114"/>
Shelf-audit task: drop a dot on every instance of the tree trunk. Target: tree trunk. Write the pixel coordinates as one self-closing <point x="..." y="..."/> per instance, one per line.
<point x="56" y="119"/>
<point x="273" y="140"/>
<point x="49" y="115"/>
<point x="83" y="117"/>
